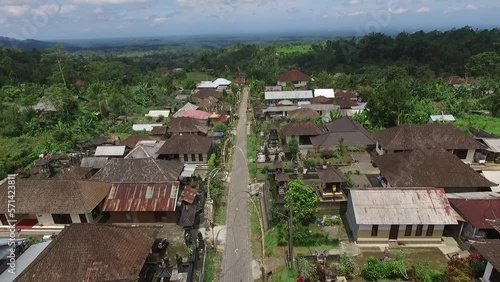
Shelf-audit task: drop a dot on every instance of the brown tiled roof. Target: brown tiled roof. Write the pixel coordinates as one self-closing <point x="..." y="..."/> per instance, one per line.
<point x="489" y="250"/>
<point x="346" y="94"/>
<point x="139" y="170"/>
<point x="477" y="211"/>
<point x="55" y="196"/>
<point x="302" y="128"/>
<point x="425" y="136"/>
<point x="142" y="197"/>
<point x="428" y="168"/>
<point x="132" y="140"/>
<point x="186" y="144"/>
<point x="91" y="253"/>
<point x="277" y="164"/>
<point x="73" y="173"/>
<point x="346" y="124"/>
<point x="159" y="130"/>
<point x="350" y="130"/>
<point x="321" y="100"/>
<point x="187" y="125"/>
<point x="303" y="113"/>
<point x="293" y="75"/>
<point x="282" y="177"/>
<point x="331" y="175"/>
<point x="205" y="93"/>
<point x="344" y="102"/>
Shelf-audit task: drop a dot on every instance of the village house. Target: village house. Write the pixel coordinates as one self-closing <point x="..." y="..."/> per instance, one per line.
<point x="206" y="85"/>
<point x="140" y="202"/>
<point x="321" y="100"/>
<point x="97" y="252"/>
<point x="346" y="129"/>
<point x="158" y="114"/>
<point x="222" y="83"/>
<point x="110" y="151"/>
<point x="303" y="114"/>
<point x="139" y="170"/>
<point x="207" y="93"/>
<point x="429" y="168"/>
<point x="331" y="185"/>
<point x="302" y="131"/>
<point x="491" y="151"/>
<point x="145" y="150"/>
<point x="185" y="108"/>
<point x="476" y="209"/>
<point x="378" y="216"/>
<point x="427" y="137"/>
<point x="278" y="111"/>
<point x="442" y="118"/>
<point x="159" y="132"/>
<point x="132" y="141"/>
<point x="94" y="163"/>
<point x="296" y="77"/>
<point x="188" y="148"/>
<point x="347" y="94"/>
<point x="145" y="127"/>
<point x="322" y="109"/>
<point x="196" y="114"/>
<point x="490" y="251"/>
<point x="275" y="97"/>
<point x="327" y="93"/>
<point x="186" y="125"/>
<point x="344" y="103"/>
<point x="46" y="203"/>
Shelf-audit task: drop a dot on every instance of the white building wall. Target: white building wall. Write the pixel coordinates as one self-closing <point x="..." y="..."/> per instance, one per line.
<point x="470" y="156"/>
<point x="379" y="149"/>
<point x="351" y="220"/>
<point x="75" y="218"/>
<point x="487" y="272"/>
<point x="45" y="219"/>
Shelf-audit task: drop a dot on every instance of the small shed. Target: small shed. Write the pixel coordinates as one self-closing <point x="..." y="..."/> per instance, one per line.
<point x="110" y="151"/>
<point x="441" y="118"/>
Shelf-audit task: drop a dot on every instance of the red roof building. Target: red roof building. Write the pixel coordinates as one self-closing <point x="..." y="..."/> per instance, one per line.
<point x="477" y="213"/>
<point x="142" y="202"/>
<point x="296" y="77"/>
<point x="197" y="114"/>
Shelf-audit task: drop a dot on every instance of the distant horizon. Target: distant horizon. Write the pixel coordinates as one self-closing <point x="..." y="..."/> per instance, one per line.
<point x="95" y="19"/>
<point x="289" y="33"/>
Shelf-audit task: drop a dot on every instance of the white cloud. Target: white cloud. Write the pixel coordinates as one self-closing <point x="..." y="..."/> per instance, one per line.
<point x="159" y="20"/>
<point x="399" y="11"/>
<point x="15" y="10"/>
<point x="423" y="10"/>
<point x="104" y="2"/>
<point x="98" y="10"/>
<point x="66" y="9"/>
<point x="471" y="7"/>
<point x="357" y="13"/>
<point x="354" y="2"/>
<point x="45" y="10"/>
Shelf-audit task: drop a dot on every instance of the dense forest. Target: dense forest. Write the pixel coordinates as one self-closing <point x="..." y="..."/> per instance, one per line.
<point x="396" y="75"/>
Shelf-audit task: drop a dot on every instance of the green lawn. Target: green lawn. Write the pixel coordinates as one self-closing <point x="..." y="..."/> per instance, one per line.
<point x="486" y="123"/>
<point x="286" y="275"/>
<point x="199" y="76"/>
<point x="294" y="48"/>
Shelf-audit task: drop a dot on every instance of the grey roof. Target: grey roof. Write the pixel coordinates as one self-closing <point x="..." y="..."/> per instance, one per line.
<point x="329" y="93"/>
<point x="187" y="107"/>
<point x="181" y="97"/>
<point x="379" y="206"/>
<point x="110" y="151"/>
<point x="493" y="144"/>
<point x="322" y="107"/>
<point x="139" y="170"/>
<point x="94" y="162"/>
<point x="289" y="95"/>
<point x="435" y="118"/>
<point x="145" y="150"/>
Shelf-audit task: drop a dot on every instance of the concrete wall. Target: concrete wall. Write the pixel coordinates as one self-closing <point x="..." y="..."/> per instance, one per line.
<point x="364" y="234"/>
<point x="379" y="149"/>
<point x="46" y="218"/>
<point x="351" y="220"/>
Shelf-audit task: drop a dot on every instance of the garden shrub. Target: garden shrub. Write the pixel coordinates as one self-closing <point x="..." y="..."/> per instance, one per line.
<point x="346" y="266"/>
<point x="375" y="269"/>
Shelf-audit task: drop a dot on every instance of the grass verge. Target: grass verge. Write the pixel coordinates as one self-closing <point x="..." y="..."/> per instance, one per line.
<point x="213" y="265"/>
<point x="255" y="230"/>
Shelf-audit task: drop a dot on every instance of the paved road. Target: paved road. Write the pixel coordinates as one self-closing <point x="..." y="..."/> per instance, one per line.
<point x="237" y="258"/>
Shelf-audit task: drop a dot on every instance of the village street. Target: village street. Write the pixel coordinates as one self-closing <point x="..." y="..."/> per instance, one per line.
<point x="237" y="258"/>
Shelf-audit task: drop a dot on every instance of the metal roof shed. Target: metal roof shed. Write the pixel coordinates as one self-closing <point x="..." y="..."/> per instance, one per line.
<point x="110" y="151"/>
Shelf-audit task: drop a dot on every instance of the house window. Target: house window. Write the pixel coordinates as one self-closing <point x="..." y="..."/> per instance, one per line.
<point x="408" y="230"/>
<point x="430" y="230"/>
<point x="62" y="218"/>
<point x="186" y="157"/>
<point x="374" y="230"/>
<point x="418" y="232"/>
<point x="83" y="218"/>
<point x="200" y="157"/>
<point x="193" y="157"/>
<point x="461" y="154"/>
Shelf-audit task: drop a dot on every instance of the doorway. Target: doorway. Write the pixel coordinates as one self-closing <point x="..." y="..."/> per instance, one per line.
<point x="393" y="234"/>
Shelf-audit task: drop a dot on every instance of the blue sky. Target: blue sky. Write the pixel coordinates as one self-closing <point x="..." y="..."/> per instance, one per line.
<point x="73" y="19"/>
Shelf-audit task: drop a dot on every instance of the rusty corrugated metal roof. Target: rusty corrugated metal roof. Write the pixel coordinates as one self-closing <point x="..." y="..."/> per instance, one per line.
<point x="142" y="197"/>
<point x="188" y="194"/>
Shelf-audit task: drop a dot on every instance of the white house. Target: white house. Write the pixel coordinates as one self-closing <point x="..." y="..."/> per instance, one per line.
<point x="273" y="97"/>
<point x="207" y="85"/>
<point x="145" y="127"/>
<point x="379" y="216"/>
<point x="441" y="118"/>
<point x="296" y="77"/>
<point x="158" y="113"/>
<point x="222" y="83"/>
<point x="110" y="151"/>
<point x="328" y="93"/>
